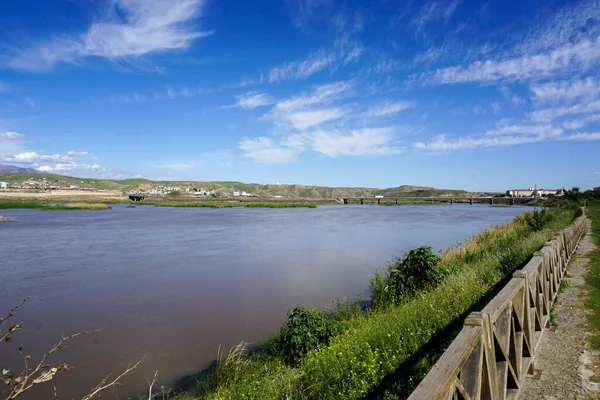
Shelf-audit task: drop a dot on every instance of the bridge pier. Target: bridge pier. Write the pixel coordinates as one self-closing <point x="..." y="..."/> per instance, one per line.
<point x="491" y="202"/>
<point x="450" y="201"/>
<point x="396" y="201"/>
<point x="471" y="201"/>
<point x="378" y="201"/>
<point x="362" y="201"/>
<point x="345" y="201"/>
<point x="512" y="201"/>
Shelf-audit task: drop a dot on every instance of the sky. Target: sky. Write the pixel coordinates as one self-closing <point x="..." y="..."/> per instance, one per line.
<point x="476" y="95"/>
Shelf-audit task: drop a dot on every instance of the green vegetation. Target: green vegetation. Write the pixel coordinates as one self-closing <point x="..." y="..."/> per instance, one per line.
<point x="17" y="203"/>
<point x="405" y="277"/>
<point x="304" y="331"/>
<point x="592" y="278"/>
<point x="130" y="206"/>
<point x="384" y="351"/>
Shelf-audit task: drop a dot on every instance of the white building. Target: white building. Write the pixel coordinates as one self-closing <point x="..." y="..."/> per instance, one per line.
<point x="533" y="192"/>
<point x="3" y="185"/>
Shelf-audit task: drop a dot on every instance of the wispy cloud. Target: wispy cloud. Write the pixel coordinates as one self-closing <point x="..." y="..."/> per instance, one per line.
<point x="253" y="100"/>
<point x="301" y="69"/>
<point x="434" y="11"/>
<point x="354" y="55"/>
<point x="322" y="121"/>
<point x="264" y="150"/>
<point x="505" y="136"/>
<point x="4" y="87"/>
<point x="566" y="91"/>
<point x="388" y="108"/>
<point x="311" y="109"/>
<point x="550" y="114"/>
<point x="360" y="142"/>
<point x="133" y="28"/>
<point x="580" y="56"/>
<point x="302" y="11"/>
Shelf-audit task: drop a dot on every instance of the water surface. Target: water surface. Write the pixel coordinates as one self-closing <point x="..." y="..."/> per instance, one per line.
<point x="172" y="284"/>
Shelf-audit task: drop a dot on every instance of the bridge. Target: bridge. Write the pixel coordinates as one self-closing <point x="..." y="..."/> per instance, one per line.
<point x="451" y="200"/>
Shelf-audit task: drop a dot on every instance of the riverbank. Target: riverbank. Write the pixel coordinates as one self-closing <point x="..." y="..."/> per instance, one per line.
<point x="20" y="203"/>
<point x="353" y="352"/>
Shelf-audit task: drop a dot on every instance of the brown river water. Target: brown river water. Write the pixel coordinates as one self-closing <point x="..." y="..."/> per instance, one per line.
<point x="172" y="284"/>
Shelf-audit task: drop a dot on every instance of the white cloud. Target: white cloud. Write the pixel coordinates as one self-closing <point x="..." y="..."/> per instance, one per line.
<point x="302" y="120"/>
<point x="69" y="166"/>
<point x="505" y="136"/>
<point x="30" y="157"/>
<point x="581" y="122"/>
<point x="322" y="94"/>
<point x="253" y="100"/>
<point x="312" y="109"/>
<point x="301" y="69"/>
<point x="360" y="142"/>
<point x="78" y="153"/>
<point x="434" y="11"/>
<point x="302" y="11"/>
<point x="354" y="55"/>
<point x="133" y="28"/>
<point x="4" y="87"/>
<point x="440" y="143"/>
<point x="583" y="136"/>
<point x="566" y="91"/>
<point x="578" y="56"/>
<point x="546" y="129"/>
<point x="388" y="108"/>
<point x="264" y="150"/>
<point x="9" y="135"/>
<point x="550" y="114"/>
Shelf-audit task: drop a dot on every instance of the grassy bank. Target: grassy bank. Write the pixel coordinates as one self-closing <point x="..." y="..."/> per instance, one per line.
<point x="19" y="203"/>
<point x="230" y="204"/>
<point x="593" y="277"/>
<point x="385" y="351"/>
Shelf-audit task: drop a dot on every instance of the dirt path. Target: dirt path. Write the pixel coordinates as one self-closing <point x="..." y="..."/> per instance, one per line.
<point x="565" y="362"/>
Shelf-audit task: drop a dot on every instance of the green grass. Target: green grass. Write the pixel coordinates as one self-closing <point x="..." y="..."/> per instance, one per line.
<point x="385" y="353"/>
<point x="592" y="278"/>
<point x="8" y="203"/>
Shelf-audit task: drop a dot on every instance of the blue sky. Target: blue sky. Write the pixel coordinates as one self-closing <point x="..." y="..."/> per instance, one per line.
<point x="454" y="94"/>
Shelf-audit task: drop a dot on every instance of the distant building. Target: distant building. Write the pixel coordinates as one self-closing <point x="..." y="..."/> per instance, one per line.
<point x="533" y="192"/>
<point x="3" y="185"/>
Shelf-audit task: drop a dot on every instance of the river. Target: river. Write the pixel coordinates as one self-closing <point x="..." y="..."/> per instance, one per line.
<point x="172" y="284"/>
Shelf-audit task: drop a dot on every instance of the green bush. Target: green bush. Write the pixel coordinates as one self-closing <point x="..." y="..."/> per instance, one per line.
<point x="304" y="331"/>
<point x="416" y="270"/>
<point x="538" y="219"/>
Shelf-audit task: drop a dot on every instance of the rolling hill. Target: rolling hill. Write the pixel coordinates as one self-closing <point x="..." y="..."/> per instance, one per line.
<point x="292" y="191"/>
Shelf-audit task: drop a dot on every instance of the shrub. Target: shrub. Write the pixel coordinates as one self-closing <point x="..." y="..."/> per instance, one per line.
<point x="538" y="219"/>
<point x="304" y="331"/>
<point x="415" y="271"/>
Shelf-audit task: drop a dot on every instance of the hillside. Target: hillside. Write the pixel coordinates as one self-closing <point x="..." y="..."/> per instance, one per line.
<point x="287" y="191"/>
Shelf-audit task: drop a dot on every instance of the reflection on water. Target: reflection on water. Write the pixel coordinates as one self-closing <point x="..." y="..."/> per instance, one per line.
<point x="172" y="283"/>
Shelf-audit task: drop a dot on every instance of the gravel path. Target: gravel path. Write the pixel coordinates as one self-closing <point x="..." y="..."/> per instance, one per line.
<point x="564" y="359"/>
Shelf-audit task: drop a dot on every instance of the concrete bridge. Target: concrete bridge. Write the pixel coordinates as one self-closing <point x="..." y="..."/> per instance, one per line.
<point x="451" y="200"/>
<point x="136" y="197"/>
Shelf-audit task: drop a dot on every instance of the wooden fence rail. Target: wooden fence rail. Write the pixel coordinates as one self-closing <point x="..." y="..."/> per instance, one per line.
<point x="496" y="347"/>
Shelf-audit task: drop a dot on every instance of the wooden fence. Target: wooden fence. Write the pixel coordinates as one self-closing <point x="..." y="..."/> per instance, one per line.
<point x="496" y="347"/>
